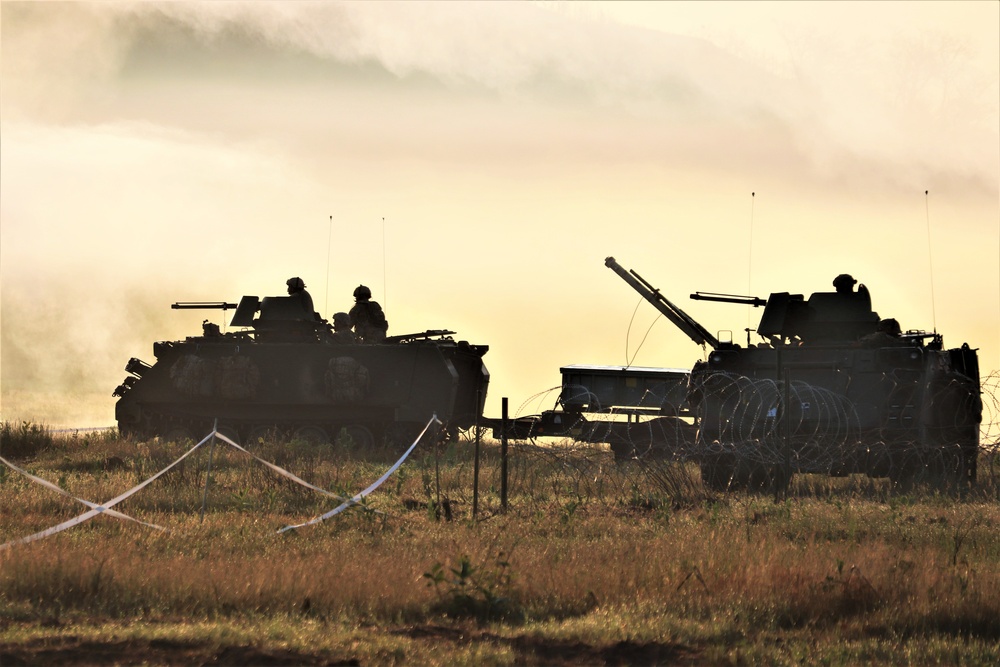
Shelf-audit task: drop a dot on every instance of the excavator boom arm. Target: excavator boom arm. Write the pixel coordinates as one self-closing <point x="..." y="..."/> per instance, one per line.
<point x="681" y="320"/>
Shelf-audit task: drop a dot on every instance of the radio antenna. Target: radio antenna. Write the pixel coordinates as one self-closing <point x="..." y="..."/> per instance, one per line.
<point x="750" y="260"/>
<point x="385" y="299"/>
<point x="329" y="244"/>
<point x="930" y="257"/>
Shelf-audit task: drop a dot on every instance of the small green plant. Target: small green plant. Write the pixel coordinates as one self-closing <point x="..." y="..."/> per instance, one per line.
<point x="467" y="591"/>
<point x="850" y="594"/>
<point x="23" y="440"/>
<point x="243" y="499"/>
<point x="961" y="533"/>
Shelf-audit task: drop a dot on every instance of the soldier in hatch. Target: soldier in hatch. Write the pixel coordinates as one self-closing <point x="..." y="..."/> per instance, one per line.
<point x="844" y="283"/>
<point x="369" y="320"/>
<point x="342" y="333"/>
<point x="887" y="332"/>
<point x="297" y="289"/>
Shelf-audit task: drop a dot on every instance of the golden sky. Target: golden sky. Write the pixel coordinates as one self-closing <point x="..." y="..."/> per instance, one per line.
<point x="474" y="163"/>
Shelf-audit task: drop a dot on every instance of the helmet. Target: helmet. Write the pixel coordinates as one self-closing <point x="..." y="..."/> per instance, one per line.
<point x="295" y="283"/>
<point x="362" y="292"/>
<point x="890" y="326"/>
<point x="844" y="282"/>
<point x="342" y="319"/>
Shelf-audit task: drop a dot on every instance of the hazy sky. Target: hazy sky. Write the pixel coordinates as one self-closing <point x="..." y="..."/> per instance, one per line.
<point x="474" y="163"/>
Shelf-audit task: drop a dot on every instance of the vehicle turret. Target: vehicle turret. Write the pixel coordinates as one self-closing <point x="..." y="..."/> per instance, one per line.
<point x="825" y="317"/>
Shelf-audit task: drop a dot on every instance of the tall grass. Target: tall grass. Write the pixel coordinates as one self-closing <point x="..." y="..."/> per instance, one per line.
<point x="598" y="551"/>
<point x="23" y="439"/>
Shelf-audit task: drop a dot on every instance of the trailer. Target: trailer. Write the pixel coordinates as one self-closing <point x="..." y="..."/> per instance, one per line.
<point x="633" y="409"/>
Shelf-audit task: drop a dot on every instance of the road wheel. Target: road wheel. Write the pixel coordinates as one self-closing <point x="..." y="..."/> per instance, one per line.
<point x="945" y="469"/>
<point x="262" y="435"/>
<point x="718" y="474"/>
<point x="229" y="431"/>
<point x="728" y="473"/>
<point x="357" y="437"/>
<point x="622" y="449"/>
<point x="313" y="435"/>
<point x="402" y="434"/>
<point x="177" y="434"/>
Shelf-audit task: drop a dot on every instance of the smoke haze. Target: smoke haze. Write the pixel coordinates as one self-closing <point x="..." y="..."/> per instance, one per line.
<point x="155" y="153"/>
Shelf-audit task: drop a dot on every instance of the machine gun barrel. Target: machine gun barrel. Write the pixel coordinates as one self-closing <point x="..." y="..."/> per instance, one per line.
<point x="402" y="338"/>
<point x="754" y="301"/>
<point x="202" y="305"/>
<point x="681" y="320"/>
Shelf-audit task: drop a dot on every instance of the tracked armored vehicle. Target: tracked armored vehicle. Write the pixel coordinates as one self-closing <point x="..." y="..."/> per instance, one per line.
<point x="829" y="387"/>
<point x="284" y="372"/>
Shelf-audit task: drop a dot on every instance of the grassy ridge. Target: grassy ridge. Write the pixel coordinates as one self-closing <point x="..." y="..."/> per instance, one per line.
<point x="594" y="563"/>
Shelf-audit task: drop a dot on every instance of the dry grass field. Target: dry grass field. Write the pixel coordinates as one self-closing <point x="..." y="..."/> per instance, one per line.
<point x="593" y="563"/>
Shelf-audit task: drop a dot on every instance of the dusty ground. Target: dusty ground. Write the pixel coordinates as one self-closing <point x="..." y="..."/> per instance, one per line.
<point x="530" y="650"/>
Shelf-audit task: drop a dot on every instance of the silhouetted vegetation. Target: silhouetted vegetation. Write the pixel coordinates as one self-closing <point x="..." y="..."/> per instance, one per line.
<point x="23" y="439"/>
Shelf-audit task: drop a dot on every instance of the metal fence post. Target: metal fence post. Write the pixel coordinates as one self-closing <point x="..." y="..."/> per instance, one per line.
<point x="208" y="475"/>
<point x="475" y="467"/>
<point x="503" y="457"/>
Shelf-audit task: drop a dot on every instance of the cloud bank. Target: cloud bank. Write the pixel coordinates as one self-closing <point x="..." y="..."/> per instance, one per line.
<point x="857" y="93"/>
<point x="155" y="152"/>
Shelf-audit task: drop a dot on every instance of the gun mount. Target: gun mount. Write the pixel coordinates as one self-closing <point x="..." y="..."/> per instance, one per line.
<point x="754" y="301"/>
<point x="202" y="305"/>
<point x="840" y="316"/>
<point x="422" y="335"/>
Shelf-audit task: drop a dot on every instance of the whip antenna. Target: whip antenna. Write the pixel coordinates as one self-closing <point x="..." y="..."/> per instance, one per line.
<point x="385" y="299"/>
<point x="750" y="261"/>
<point x="329" y="243"/>
<point x="930" y="258"/>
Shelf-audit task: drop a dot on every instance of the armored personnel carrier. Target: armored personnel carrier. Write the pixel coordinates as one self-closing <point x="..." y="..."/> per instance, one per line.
<point x="284" y="371"/>
<point x="829" y="387"/>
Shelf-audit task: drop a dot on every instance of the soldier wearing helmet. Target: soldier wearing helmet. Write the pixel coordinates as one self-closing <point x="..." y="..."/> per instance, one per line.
<point x="342" y="333"/>
<point x="844" y="283"/>
<point x="297" y="290"/>
<point x="369" y="321"/>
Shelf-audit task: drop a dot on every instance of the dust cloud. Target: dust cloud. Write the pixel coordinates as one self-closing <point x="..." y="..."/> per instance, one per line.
<point x="473" y="163"/>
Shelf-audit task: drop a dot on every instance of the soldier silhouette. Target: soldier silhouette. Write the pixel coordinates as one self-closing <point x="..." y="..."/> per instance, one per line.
<point x="844" y="283"/>
<point x="342" y="329"/>
<point x="367" y="317"/>
<point x="297" y="289"/>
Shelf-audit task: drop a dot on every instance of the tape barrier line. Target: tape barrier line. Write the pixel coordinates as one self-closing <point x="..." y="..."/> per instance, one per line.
<point x="105" y="508"/>
<point x="49" y="485"/>
<point x="377" y="483"/>
<point x="101" y="509"/>
<point x="280" y="470"/>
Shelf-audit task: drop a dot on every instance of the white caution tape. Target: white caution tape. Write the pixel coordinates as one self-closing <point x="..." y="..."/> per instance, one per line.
<point x="278" y="469"/>
<point x="356" y="499"/>
<point x="101" y="509"/>
<point x="49" y="485"/>
<point x="105" y="508"/>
